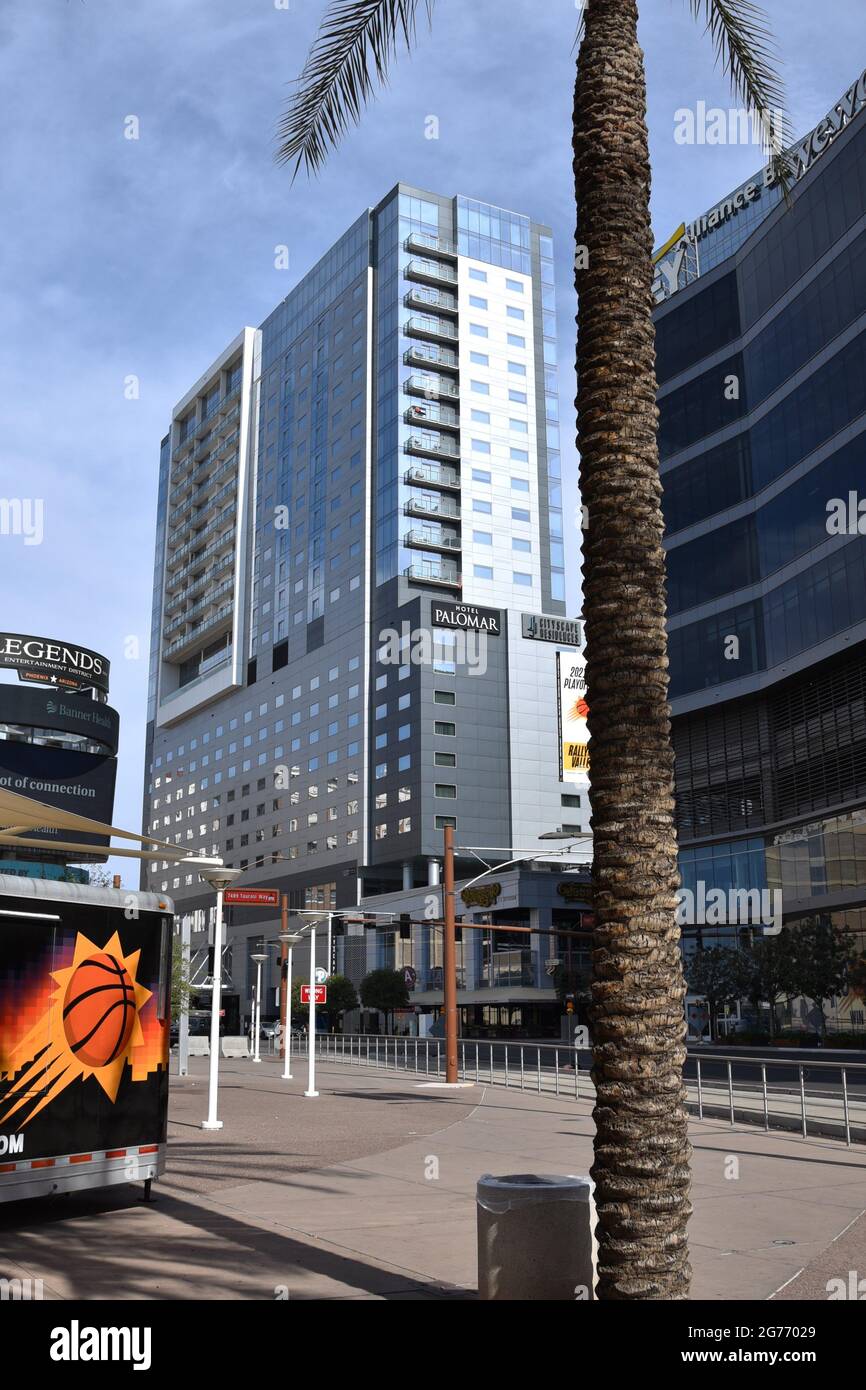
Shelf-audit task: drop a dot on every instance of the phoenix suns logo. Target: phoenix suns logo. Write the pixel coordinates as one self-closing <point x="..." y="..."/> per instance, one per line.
<point x="91" y="1027"/>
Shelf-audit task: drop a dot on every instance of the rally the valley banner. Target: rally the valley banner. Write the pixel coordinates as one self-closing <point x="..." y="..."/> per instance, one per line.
<point x="573" y="709"/>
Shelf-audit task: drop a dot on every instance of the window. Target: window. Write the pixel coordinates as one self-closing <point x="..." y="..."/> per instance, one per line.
<point x="518" y="396"/>
<point x="481" y="388"/>
<point x="445" y="759"/>
<point x="477" y="274"/>
<point x="478" y="330"/>
<point x="517" y="369"/>
<point x="446" y="789"/>
<point x="443" y="822"/>
<point x="381" y="830"/>
<point x="518" y="455"/>
<point x="515" y="285"/>
<point x="481" y="417"/>
<point x="519" y="426"/>
<point x="480" y="475"/>
<point x="519" y="514"/>
<point x="519" y="485"/>
<point x="520" y="578"/>
<point x="477" y="302"/>
<point x="515" y="340"/>
<point x="482" y="571"/>
<point x="483" y="537"/>
<point x="514" y="313"/>
<point x="446" y="730"/>
<point x="517" y="544"/>
<point x="444" y="697"/>
<point x="480" y="446"/>
<point x="570" y="800"/>
<point x="479" y="506"/>
<point x="480" y="359"/>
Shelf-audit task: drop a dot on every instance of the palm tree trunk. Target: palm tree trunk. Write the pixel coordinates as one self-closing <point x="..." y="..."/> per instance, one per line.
<point x="641" y="1166"/>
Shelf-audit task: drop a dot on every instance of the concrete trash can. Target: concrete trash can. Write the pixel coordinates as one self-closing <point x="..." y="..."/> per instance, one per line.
<point x="536" y="1237"/>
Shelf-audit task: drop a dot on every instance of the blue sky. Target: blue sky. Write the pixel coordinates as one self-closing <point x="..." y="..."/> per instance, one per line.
<point x="145" y="257"/>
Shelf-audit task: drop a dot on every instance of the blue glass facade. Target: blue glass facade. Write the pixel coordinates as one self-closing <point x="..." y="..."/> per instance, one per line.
<point x="762" y="428"/>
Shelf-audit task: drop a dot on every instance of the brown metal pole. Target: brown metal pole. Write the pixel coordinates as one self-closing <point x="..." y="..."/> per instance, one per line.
<point x="449" y="962"/>
<point x="284" y="963"/>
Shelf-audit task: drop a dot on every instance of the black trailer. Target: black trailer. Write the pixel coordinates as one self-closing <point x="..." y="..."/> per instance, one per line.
<point x="85" y="988"/>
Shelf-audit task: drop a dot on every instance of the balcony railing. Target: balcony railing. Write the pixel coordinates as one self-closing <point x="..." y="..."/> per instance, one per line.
<point x="442" y="416"/>
<point x="423" y="572"/>
<point x="197" y="633"/>
<point x="429" y="475"/>
<point x="423" y="241"/>
<point x="434" y="507"/>
<point x="423" y="298"/>
<point x="439" y="272"/>
<point x="432" y="540"/>
<point x="428" y="326"/>
<point x="436" y="446"/>
<point x="433" y="388"/>
<point x="427" y="355"/>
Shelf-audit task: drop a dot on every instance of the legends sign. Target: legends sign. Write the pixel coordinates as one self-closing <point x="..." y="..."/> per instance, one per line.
<point x="49" y="662"/>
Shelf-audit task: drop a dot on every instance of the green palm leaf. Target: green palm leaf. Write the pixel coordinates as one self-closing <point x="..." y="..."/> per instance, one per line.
<point x="746" y="52"/>
<point x="356" y="43"/>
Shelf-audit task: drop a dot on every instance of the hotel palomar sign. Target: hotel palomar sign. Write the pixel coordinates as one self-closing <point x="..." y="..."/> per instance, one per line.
<point x="468" y="617"/>
<point x="49" y="662"/>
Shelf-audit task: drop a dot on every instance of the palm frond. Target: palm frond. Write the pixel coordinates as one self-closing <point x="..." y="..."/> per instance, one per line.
<point x="746" y="51"/>
<point x="356" y="42"/>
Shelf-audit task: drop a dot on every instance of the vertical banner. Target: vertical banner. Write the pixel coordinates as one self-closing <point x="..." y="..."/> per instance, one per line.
<point x="572" y="709"/>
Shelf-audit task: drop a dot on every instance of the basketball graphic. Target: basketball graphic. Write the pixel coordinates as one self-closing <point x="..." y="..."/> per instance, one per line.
<point x="99" y="1010"/>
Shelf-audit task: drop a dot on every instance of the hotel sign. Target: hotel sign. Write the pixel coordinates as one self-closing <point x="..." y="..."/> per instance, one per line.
<point x="48" y="662"/>
<point x="567" y="632"/>
<point x="468" y="617"/>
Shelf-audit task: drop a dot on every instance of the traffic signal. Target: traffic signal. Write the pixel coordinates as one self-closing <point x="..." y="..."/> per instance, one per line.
<point x="405" y="926"/>
<point x="338" y="924"/>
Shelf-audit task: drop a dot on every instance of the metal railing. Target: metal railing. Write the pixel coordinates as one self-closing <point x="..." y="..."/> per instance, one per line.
<point x="808" y="1097"/>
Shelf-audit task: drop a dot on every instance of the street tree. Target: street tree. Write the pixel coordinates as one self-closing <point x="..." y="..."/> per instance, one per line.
<point x="385" y="990"/>
<point x="642" y="1153"/>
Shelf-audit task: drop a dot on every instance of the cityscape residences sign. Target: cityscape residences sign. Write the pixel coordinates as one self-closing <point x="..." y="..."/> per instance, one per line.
<point x="49" y="662"/>
<point x="468" y="617"/>
<point x="566" y="632"/>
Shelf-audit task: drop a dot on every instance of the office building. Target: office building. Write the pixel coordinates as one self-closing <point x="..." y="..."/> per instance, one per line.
<point x="359" y="630"/>
<point x="761" y="347"/>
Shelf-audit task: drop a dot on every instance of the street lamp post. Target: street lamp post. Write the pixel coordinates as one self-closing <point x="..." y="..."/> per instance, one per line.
<point x="311" y="1062"/>
<point x="449" y="961"/>
<point x="289" y="940"/>
<point x="259" y="957"/>
<point x="219" y="879"/>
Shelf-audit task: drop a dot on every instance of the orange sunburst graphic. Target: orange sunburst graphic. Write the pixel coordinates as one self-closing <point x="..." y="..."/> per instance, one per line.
<point x="90" y="1028"/>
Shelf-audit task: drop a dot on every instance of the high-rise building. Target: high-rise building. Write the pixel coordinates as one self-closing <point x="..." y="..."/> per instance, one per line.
<point x="761" y="360"/>
<point x="359" y="593"/>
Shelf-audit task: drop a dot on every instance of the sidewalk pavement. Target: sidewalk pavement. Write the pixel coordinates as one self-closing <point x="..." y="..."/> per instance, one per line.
<point x="368" y="1192"/>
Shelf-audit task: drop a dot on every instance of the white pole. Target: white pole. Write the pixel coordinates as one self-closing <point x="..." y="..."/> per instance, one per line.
<point x="212" y="1122"/>
<point x="328" y="957"/>
<point x="257" y="1013"/>
<point x="311" y="1074"/>
<point x="183" y="1032"/>
<point x="287" y="1067"/>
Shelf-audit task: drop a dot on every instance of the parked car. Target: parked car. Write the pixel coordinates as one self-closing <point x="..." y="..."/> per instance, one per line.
<point x="199" y="1027"/>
